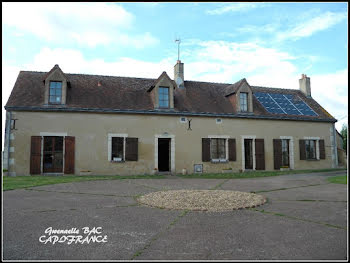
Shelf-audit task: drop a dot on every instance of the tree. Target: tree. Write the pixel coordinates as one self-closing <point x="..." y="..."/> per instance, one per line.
<point x="344" y="133"/>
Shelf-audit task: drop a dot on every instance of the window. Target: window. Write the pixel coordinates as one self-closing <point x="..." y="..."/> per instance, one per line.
<point x="218" y="121"/>
<point x="55" y="92"/>
<point x="117" y="149"/>
<point x="218" y="149"/>
<point x="310" y="148"/>
<point x="285" y="152"/>
<point x="163" y="97"/>
<point x="243" y="100"/>
<point x="183" y="119"/>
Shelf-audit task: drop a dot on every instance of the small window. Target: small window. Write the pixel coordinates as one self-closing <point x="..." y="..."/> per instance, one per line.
<point x="218" y="120"/>
<point x="55" y="92"/>
<point x="218" y="149"/>
<point x="243" y="100"/>
<point x="13" y="124"/>
<point x="183" y="119"/>
<point x="117" y="149"/>
<point x="310" y="148"/>
<point x="163" y="97"/>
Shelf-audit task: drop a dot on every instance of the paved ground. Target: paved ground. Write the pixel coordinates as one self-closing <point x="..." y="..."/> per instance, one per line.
<point x="305" y="218"/>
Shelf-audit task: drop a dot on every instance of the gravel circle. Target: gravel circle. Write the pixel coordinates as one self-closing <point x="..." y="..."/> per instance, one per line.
<point x="202" y="200"/>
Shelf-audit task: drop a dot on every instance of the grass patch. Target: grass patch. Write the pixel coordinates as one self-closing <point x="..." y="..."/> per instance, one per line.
<point x="342" y="179"/>
<point x="18" y="182"/>
<point x="252" y="174"/>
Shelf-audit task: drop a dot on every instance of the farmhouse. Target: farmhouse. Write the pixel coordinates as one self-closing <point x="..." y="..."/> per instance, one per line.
<point x="60" y="123"/>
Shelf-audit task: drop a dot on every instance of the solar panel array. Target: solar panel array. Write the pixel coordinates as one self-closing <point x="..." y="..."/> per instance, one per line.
<point x="284" y="104"/>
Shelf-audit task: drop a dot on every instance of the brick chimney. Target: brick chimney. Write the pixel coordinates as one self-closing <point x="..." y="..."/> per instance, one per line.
<point x="179" y="74"/>
<point x="304" y="85"/>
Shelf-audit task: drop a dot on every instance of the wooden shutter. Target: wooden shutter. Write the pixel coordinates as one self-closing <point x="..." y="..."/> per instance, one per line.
<point x="277" y="153"/>
<point x="35" y="155"/>
<point x="205" y="150"/>
<point x="232" y="149"/>
<point x="259" y="154"/>
<point x="322" y="150"/>
<point x="302" y="150"/>
<point x="131" y="149"/>
<point x="69" y="154"/>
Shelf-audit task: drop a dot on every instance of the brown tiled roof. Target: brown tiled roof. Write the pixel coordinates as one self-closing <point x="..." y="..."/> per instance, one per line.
<point x="130" y="94"/>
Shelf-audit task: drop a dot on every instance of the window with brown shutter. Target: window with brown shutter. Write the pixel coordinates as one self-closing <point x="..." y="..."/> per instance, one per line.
<point x="277" y="153"/>
<point x="302" y="149"/>
<point x="205" y="150"/>
<point x="69" y="154"/>
<point x="35" y="155"/>
<point x="131" y="149"/>
<point x="322" y="150"/>
<point x="259" y="154"/>
<point x="232" y="150"/>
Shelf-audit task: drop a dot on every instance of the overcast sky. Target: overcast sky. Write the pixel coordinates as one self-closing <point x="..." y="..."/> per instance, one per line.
<point x="269" y="44"/>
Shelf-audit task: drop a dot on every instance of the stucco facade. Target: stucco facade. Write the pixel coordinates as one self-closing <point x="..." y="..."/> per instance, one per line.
<point x="91" y="140"/>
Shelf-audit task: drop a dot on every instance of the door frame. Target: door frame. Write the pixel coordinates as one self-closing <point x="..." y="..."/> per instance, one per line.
<point x="172" y="150"/>
<point x="253" y="137"/>
<point x="291" y="150"/>
<point x="44" y="134"/>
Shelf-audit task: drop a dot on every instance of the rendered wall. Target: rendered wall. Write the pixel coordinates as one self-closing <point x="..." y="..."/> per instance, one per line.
<point x="91" y="137"/>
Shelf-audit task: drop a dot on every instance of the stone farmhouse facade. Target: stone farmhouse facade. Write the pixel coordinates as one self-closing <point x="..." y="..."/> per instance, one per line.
<point x="60" y="123"/>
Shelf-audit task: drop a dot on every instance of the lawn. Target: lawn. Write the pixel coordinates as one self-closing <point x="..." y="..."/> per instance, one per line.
<point x="342" y="179"/>
<point x="17" y="182"/>
<point x="252" y="174"/>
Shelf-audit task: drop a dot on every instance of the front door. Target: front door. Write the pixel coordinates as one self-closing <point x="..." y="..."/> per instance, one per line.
<point x="248" y="153"/>
<point x="53" y="154"/>
<point x="163" y="155"/>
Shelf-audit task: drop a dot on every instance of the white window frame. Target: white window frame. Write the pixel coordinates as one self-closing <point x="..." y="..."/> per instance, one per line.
<point x="317" y="139"/>
<point x="246" y="101"/>
<point x="226" y="137"/>
<point x="110" y="136"/>
<point x="183" y="121"/>
<point x="218" y="120"/>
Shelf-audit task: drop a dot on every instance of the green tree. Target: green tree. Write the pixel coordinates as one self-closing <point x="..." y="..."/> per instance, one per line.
<point x="344" y="133"/>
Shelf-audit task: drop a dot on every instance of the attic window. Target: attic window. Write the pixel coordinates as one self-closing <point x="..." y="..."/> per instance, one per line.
<point x="55" y="92"/>
<point x="243" y="101"/>
<point x="163" y="97"/>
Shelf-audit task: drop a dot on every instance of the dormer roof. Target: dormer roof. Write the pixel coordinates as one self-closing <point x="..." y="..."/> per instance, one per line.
<point x="163" y="75"/>
<point x="55" y="68"/>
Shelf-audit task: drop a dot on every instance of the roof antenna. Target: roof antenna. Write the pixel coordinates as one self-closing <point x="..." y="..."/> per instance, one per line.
<point x="178" y="40"/>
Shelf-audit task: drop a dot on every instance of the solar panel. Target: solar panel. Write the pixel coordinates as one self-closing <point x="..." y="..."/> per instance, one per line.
<point x="284" y="104"/>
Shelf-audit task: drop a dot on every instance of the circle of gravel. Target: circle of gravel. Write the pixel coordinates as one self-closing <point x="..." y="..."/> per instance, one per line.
<point x="202" y="200"/>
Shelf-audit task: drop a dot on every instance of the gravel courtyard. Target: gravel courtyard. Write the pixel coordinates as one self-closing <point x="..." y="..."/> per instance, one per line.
<point x="305" y="217"/>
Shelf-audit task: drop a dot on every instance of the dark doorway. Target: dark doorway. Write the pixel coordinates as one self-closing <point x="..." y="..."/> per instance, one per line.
<point x="163" y="155"/>
<point x="53" y="154"/>
<point x="248" y="153"/>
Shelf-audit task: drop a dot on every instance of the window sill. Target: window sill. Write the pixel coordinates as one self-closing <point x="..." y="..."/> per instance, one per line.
<point x="312" y="160"/>
<point x="219" y="161"/>
<point x="117" y="161"/>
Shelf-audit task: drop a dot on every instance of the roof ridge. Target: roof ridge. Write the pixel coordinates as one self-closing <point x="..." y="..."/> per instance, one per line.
<point x="273" y="88"/>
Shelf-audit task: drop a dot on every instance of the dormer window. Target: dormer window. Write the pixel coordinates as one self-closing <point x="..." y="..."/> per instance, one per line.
<point x="55" y="92"/>
<point x="243" y="101"/>
<point x="163" y="97"/>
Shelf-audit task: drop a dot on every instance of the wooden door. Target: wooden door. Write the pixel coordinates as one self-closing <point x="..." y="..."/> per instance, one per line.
<point x="53" y="154"/>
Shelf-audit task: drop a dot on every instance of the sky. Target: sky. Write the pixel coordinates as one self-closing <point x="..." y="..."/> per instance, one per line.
<point x="269" y="44"/>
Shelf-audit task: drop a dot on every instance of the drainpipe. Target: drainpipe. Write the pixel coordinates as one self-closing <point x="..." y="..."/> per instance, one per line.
<point x="8" y="141"/>
<point x="335" y="147"/>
